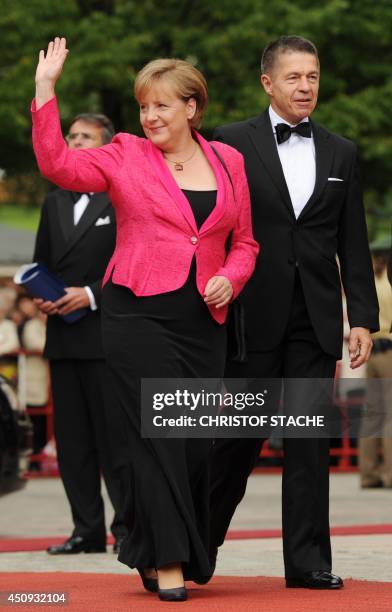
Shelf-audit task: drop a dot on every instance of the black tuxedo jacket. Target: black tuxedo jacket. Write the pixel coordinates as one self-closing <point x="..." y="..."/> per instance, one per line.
<point x="79" y="255"/>
<point x="332" y="223"/>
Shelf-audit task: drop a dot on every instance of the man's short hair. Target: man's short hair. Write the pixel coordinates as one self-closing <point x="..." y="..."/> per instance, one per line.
<point x="98" y="120"/>
<point x="285" y="44"/>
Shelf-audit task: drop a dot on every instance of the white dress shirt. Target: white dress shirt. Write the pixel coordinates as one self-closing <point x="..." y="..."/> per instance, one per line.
<point x="79" y="208"/>
<point x="298" y="158"/>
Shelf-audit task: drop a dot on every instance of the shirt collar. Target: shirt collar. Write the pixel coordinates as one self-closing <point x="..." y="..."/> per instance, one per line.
<point x="274" y="117"/>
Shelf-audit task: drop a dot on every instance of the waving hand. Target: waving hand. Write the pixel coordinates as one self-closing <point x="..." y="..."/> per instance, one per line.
<point x="49" y="69"/>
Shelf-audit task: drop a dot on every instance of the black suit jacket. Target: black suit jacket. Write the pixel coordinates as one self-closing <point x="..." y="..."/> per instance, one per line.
<point x="332" y="222"/>
<point x="79" y="255"/>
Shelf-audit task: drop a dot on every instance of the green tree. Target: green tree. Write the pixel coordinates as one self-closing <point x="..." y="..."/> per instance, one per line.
<point x="110" y="40"/>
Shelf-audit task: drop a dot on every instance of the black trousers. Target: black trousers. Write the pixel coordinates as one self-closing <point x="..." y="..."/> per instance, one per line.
<point x="305" y="483"/>
<point x="85" y="430"/>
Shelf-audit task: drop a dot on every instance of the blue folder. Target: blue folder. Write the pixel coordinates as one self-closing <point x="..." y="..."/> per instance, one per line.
<point x="39" y="282"/>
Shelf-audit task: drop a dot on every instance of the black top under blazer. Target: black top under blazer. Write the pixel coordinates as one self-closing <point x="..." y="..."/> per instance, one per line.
<point x="79" y="255"/>
<point x="331" y="223"/>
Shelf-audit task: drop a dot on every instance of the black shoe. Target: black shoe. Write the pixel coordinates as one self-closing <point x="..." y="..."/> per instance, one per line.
<point x="315" y="580"/>
<point x="118" y="543"/>
<point x="150" y="584"/>
<point x="373" y="485"/>
<point x="178" y="594"/>
<point x="74" y="545"/>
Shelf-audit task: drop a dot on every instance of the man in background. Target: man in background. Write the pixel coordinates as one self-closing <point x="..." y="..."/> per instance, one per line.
<point x="76" y="238"/>
<point x="375" y="442"/>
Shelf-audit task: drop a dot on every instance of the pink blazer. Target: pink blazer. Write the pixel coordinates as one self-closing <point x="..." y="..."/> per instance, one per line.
<point x="157" y="236"/>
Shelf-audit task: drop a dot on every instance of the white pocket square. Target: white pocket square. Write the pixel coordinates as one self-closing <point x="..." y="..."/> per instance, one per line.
<point x="103" y="221"/>
<point x="332" y="178"/>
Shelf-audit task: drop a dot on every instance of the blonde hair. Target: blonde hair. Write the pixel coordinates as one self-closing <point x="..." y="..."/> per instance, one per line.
<point x="186" y="80"/>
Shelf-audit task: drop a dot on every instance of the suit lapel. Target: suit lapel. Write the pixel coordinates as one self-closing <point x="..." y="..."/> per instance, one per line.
<point x="220" y="206"/>
<point x="263" y="139"/>
<point x="324" y="158"/>
<point x="162" y="171"/>
<point x="98" y="203"/>
<point x="65" y="205"/>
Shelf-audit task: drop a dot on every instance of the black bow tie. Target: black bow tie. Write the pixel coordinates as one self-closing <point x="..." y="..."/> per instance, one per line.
<point x="284" y="131"/>
<point x="76" y="196"/>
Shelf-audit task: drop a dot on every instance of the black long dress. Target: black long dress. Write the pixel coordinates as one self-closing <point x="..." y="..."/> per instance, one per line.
<point x="170" y="335"/>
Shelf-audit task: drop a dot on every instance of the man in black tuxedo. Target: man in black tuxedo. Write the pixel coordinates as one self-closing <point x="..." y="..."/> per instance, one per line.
<point x="307" y="208"/>
<point x="75" y="240"/>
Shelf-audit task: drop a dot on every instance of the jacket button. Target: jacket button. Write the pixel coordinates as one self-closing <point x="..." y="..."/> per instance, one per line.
<point x="194" y="240"/>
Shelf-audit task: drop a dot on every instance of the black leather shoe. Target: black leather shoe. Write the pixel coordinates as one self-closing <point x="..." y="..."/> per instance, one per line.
<point x="75" y="545"/>
<point x="150" y="584"/>
<point x="117" y="544"/>
<point x="373" y="485"/>
<point x="178" y="594"/>
<point x="315" y="580"/>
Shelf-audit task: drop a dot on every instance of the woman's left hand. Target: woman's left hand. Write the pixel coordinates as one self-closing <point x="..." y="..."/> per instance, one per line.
<point x="218" y="291"/>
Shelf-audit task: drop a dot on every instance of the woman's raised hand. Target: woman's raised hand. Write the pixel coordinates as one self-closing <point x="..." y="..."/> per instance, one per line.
<point x="50" y="65"/>
<point x="49" y="70"/>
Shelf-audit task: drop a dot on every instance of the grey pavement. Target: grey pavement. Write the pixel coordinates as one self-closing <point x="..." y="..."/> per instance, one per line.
<point x="41" y="510"/>
<point x="16" y="245"/>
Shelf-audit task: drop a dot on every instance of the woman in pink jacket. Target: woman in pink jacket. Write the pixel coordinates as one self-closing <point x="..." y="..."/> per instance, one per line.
<point x="166" y="290"/>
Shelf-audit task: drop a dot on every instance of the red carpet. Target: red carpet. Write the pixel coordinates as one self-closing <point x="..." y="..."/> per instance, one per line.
<point x="30" y="544"/>
<point x="118" y="593"/>
<point x="344" y="530"/>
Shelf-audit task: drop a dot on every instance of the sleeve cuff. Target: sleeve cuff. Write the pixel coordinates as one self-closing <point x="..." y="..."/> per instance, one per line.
<point x="51" y="102"/>
<point x="91" y="298"/>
